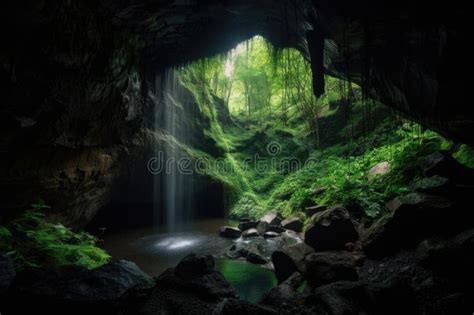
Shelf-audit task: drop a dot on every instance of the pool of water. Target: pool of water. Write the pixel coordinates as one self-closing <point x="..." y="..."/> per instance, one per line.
<point x="156" y="249"/>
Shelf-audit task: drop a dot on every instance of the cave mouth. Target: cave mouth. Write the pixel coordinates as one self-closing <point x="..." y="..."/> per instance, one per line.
<point x="289" y="178"/>
<point x="253" y="140"/>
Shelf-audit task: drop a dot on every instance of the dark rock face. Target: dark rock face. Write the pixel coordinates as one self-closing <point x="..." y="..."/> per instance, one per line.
<point x="229" y="232"/>
<point x="293" y="224"/>
<point x="345" y="297"/>
<point x="112" y="287"/>
<point x="331" y="229"/>
<point x="450" y="258"/>
<point x="7" y="272"/>
<point x="411" y="218"/>
<point x="326" y="267"/>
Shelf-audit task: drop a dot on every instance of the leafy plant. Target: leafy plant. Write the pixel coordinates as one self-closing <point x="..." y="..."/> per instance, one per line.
<point x="32" y="241"/>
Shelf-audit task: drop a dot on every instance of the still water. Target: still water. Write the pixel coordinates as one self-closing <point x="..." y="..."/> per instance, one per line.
<point x="155" y="249"/>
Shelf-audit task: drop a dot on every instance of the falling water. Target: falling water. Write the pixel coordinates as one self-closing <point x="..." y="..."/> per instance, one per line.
<point x="173" y="187"/>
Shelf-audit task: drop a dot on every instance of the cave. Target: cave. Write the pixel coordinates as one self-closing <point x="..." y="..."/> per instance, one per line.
<point x="228" y="157"/>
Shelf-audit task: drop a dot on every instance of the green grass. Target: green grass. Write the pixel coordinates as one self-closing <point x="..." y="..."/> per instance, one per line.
<point x="31" y="241"/>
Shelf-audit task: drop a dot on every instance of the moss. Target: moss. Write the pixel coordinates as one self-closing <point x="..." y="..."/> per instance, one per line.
<point x="32" y="241"/>
<point x="465" y="155"/>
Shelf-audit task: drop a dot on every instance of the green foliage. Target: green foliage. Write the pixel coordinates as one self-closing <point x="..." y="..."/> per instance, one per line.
<point x="346" y="175"/>
<point x="465" y="155"/>
<point x="32" y="241"/>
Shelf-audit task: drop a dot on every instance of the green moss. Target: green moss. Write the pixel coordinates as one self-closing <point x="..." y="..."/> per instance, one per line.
<point x="465" y="155"/>
<point x="32" y="241"/>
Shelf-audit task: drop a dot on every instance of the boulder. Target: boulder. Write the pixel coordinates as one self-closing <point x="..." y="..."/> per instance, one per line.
<point x="310" y="211"/>
<point x="195" y="266"/>
<point x="411" y="218"/>
<point x="248" y="225"/>
<point x="272" y="218"/>
<point x="75" y="290"/>
<point x="262" y="227"/>
<point x="326" y="267"/>
<point x="207" y="293"/>
<point x="206" y="282"/>
<point x="331" y="230"/>
<point x="292" y="223"/>
<point x="7" y="272"/>
<point x="290" y="259"/>
<point x="431" y="185"/>
<point x="379" y="169"/>
<point x="254" y="256"/>
<point x="271" y="234"/>
<point x="250" y="233"/>
<point x="284" y="266"/>
<point x="229" y="232"/>
<point x="443" y="164"/>
<point x="285" y="295"/>
<point x="347" y="297"/>
<point x="276" y="229"/>
<point x="450" y="258"/>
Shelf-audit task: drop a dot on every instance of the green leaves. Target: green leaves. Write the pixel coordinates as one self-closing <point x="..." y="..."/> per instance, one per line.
<point x="35" y="242"/>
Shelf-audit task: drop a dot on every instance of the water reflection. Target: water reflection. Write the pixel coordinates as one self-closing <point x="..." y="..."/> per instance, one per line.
<point x="155" y="250"/>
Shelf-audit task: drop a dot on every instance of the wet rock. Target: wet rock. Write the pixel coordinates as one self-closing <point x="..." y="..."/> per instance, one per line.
<point x="331" y="229"/>
<point x="250" y="233"/>
<point x="248" y="225"/>
<point x="310" y="211"/>
<point x="411" y="218"/>
<point x="7" y="272"/>
<point x="262" y="227"/>
<point x="379" y="169"/>
<point x="326" y="267"/>
<point x="293" y="223"/>
<point x="272" y="218"/>
<point x="271" y="234"/>
<point x="229" y="232"/>
<point x="254" y="256"/>
<point x="276" y="229"/>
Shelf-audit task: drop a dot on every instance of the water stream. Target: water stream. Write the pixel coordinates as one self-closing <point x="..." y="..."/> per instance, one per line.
<point x="173" y="188"/>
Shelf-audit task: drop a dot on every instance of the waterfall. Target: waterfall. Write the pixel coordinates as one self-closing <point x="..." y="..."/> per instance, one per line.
<point x="173" y="187"/>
